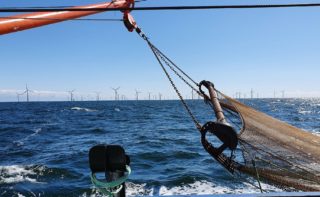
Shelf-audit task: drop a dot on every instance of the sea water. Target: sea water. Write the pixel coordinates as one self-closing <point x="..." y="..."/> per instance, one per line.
<point x="44" y="145"/>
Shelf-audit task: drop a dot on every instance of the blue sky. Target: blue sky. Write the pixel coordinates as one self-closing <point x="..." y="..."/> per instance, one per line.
<point x="262" y="49"/>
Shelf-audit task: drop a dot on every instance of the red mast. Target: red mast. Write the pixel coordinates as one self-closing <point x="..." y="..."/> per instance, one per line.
<point x="20" y="22"/>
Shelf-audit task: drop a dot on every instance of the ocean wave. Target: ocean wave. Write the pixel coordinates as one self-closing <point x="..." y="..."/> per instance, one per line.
<point x="196" y="188"/>
<point x="316" y="132"/>
<point x="165" y="149"/>
<point x="207" y="188"/>
<point x="83" y="109"/>
<point x="304" y="111"/>
<point x="133" y="189"/>
<point x="19" y="173"/>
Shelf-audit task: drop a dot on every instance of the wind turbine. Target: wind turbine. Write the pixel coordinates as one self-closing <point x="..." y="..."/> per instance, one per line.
<point x="160" y="96"/>
<point x="149" y="95"/>
<point x="97" y="96"/>
<point x="251" y="92"/>
<point x="18" y="96"/>
<point x="116" y="97"/>
<point x="137" y="94"/>
<point x="26" y="92"/>
<point x="71" y="94"/>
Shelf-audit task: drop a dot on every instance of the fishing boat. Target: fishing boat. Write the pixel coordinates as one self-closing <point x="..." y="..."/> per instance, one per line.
<point x="273" y="151"/>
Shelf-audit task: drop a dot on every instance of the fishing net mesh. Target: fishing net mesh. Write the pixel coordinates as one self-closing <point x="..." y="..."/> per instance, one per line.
<point x="276" y="151"/>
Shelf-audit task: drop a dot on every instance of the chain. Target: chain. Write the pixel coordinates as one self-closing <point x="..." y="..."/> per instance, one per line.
<point x="169" y="63"/>
<point x="198" y="125"/>
<point x="164" y="59"/>
<point x="193" y="81"/>
<point x="157" y="54"/>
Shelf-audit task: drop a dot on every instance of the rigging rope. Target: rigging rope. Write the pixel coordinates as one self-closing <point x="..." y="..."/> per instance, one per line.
<point x="164" y="58"/>
<point x="160" y="56"/>
<point x="198" y="125"/>
<point x="257" y="174"/>
<point x="197" y="84"/>
<point x="207" y="7"/>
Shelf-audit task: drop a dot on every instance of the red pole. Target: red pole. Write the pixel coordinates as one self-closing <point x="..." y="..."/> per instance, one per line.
<point x="19" y="22"/>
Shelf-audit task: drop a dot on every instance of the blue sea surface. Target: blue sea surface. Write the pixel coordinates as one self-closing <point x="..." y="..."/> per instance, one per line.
<point x="44" y="145"/>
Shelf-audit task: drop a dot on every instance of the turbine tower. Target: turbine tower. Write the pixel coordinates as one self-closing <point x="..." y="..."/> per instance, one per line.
<point x="237" y="95"/>
<point x="18" y="96"/>
<point x="251" y="92"/>
<point x="282" y="93"/>
<point x="160" y="96"/>
<point x="116" y="96"/>
<point x="26" y="92"/>
<point x="71" y="94"/>
<point x="149" y="95"/>
<point x="137" y="94"/>
<point x="97" y="96"/>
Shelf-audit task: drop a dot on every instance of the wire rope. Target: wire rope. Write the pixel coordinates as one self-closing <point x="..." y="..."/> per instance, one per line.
<point x="201" y="7"/>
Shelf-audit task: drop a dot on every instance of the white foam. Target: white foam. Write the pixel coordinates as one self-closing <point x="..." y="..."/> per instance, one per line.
<point x="117" y="109"/>
<point x="21" y="142"/>
<point x="304" y="112"/>
<point x="199" y="187"/>
<point x="207" y="188"/>
<point x="18" y="173"/>
<point x="83" y="109"/>
<point x="94" y="193"/>
<point x="196" y="188"/>
<point x="317" y="133"/>
<point x="133" y="189"/>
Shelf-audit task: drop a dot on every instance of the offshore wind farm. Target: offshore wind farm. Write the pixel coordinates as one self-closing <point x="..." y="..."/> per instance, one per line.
<point x="28" y="95"/>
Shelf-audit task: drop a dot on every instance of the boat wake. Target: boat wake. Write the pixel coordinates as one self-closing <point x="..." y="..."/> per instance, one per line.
<point x="206" y="188"/>
<point x="196" y="188"/>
